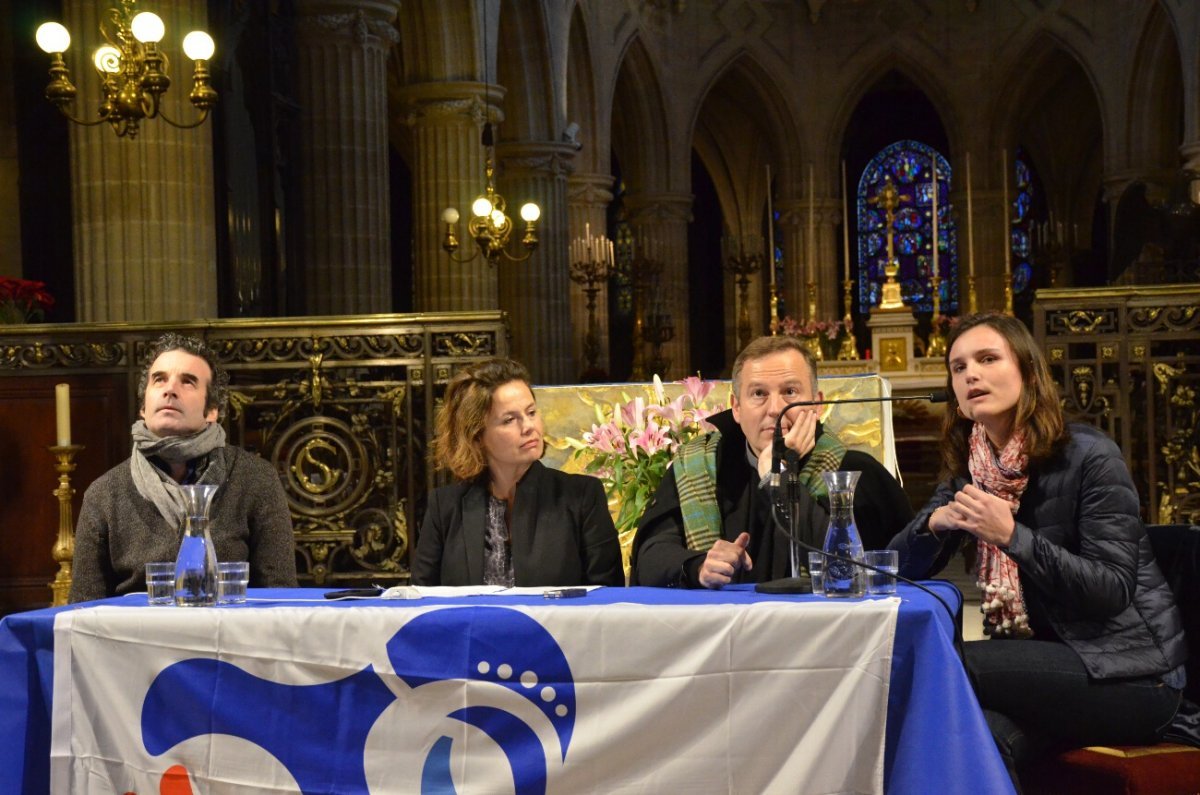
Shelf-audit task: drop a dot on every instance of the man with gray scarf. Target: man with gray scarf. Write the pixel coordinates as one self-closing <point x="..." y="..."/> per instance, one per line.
<point x="133" y="514"/>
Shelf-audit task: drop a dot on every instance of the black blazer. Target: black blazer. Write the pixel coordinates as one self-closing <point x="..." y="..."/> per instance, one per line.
<point x="562" y="533"/>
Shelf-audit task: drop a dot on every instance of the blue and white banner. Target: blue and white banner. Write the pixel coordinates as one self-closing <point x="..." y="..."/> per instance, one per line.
<point x="752" y="698"/>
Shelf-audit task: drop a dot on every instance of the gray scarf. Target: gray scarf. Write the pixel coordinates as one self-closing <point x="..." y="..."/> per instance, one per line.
<point x="159" y="487"/>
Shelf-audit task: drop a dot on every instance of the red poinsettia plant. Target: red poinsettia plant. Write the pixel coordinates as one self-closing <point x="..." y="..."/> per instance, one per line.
<point x="23" y="300"/>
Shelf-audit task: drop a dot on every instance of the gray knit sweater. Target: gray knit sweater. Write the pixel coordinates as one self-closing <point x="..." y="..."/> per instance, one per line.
<point x="119" y="531"/>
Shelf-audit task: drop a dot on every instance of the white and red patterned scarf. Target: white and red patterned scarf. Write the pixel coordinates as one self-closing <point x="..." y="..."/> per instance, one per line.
<point x="1004" y="475"/>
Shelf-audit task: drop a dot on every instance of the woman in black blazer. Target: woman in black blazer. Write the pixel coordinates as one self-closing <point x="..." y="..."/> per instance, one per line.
<point x="509" y="520"/>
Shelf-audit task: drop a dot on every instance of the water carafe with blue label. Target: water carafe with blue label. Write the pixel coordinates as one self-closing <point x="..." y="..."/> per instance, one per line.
<point x="843" y="578"/>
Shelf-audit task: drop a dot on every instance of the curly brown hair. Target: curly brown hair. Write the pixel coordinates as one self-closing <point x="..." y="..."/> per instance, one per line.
<point x="1039" y="411"/>
<point x="460" y="422"/>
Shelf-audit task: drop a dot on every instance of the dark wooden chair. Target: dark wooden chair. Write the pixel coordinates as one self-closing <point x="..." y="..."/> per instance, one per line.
<point x="1163" y="769"/>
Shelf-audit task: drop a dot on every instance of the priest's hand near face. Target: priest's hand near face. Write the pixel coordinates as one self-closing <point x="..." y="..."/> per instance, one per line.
<point x="800" y="437"/>
<point x="724" y="561"/>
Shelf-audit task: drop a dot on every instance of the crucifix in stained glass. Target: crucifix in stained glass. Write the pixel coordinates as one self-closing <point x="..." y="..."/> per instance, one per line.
<point x="908" y="167"/>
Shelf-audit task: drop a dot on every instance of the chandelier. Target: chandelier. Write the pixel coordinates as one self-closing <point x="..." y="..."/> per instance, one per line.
<point x="133" y="71"/>
<point x="489" y="226"/>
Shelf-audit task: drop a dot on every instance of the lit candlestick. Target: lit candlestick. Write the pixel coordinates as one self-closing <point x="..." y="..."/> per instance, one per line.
<point x="970" y="223"/>
<point x="62" y="405"/>
<point x="812" y="226"/>
<point x="1004" y="183"/>
<point x="845" y="225"/>
<point x="933" y="161"/>
<point x="770" y="229"/>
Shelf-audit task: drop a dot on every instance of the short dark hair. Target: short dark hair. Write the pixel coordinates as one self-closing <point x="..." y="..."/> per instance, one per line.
<point x="217" y="396"/>
<point x="465" y="406"/>
<point x="1039" y="411"/>
<point x="765" y="346"/>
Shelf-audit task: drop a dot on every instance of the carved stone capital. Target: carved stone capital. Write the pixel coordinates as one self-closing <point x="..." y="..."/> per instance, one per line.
<point x="536" y="157"/>
<point x="660" y="207"/>
<point x="369" y="26"/>
<point x="590" y="189"/>
<point x="451" y="103"/>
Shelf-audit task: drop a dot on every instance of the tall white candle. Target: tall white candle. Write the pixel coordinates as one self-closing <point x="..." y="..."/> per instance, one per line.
<point x="1007" y="242"/>
<point x="845" y="225"/>
<point x="812" y="226"/>
<point x="970" y="223"/>
<point x="770" y="229"/>
<point x="933" y="171"/>
<point x="62" y="405"/>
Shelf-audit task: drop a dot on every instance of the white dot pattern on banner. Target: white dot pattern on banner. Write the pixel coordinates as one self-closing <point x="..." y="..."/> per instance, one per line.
<point x="483" y="667"/>
<point x="547" y="693"/>
<point x="561" y="710"/>
<point x="504" y="671"/>
<point x="529" y="679"/>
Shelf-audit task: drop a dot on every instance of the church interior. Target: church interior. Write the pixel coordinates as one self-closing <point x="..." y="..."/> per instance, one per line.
<point x="858" y="173"/>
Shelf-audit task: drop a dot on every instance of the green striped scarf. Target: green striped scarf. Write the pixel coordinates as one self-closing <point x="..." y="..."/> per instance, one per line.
<point x="696" y="480"/>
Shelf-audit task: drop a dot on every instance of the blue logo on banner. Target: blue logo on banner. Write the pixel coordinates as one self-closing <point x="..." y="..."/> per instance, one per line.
<point x="197" y="697"/>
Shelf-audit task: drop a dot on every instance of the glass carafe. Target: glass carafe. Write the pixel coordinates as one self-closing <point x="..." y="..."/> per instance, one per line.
<point x="843" y="578"/>
<point x="196" y="565"/>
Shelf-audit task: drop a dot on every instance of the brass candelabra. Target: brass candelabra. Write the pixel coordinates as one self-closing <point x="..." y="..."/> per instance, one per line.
<point x="937" y="340"/>
<point x="644" y="275"/>
<point x="63" y="551"/>
<point x="591" y="265"/>
<point x="743" y="266"/>
<point x="848" y="351"/>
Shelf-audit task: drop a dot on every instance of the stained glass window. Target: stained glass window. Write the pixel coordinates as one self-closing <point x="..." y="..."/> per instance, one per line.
<point x="909" y="166"/>
<point x="1021" y="219"/>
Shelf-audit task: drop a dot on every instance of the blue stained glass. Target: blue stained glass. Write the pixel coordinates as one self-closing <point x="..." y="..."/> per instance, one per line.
<point x="908" y="219"/>
<point x="905" y="167"/>
<point x="1020" y="243"/>
<point x="1022" y="205"/>
<point x="1021" y="276"/>
<point x="1023" y="175"/>
<point x="909" y="164"/>
<point x="909" y="243"/>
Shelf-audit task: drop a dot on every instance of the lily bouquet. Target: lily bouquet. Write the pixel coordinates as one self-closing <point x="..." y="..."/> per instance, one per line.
<point x="631" y="444"/>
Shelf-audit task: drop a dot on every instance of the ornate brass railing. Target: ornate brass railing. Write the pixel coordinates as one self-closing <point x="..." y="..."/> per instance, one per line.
<point x="341" y="407"/>
<point x="1128" y="361"/>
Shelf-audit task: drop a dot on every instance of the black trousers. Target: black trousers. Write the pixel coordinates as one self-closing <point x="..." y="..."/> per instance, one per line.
<point x="1037" y="696"/>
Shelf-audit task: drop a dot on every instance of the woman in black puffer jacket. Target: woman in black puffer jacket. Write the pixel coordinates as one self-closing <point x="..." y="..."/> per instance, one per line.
<point x="1086" y="643"/>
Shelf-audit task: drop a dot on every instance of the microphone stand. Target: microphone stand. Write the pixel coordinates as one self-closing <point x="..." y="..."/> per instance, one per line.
<point x="803" y="584"/>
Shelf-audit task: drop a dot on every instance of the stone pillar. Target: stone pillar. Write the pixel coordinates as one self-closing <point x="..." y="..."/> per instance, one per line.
<point x="793" y="220"/>
<point x="142" y="207"/>
<point x="588" y="197"/>
<point x="345" y="225"/>
<point x="448" y="171"/>
<point x="829" y="267"/>
<point x="660" y="224"/>
<point x="535" y="292"/>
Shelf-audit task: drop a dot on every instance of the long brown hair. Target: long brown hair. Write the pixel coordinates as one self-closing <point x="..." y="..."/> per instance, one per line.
<point x="460" y="422"/>
<point x="1038" y="409"/>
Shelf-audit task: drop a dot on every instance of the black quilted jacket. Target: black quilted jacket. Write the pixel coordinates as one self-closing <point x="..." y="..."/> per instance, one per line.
<point x="1087" y="569"/>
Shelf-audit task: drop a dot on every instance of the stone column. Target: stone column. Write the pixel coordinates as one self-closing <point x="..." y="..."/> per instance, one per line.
<point x="588" y="197"/>
<point x="448" y="171"/>
<point x="535" y="292"/>
<point x="793" y="220"/>
<point x="345" y="225"/>
<point x="660" y="224"/>
<point x="829" y="267"/>
<point x="142" y="207"/>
